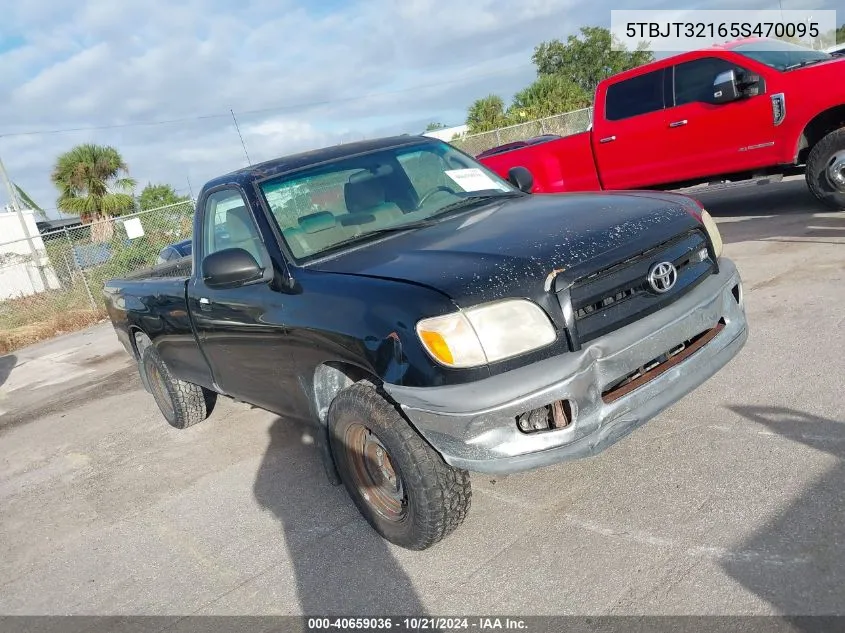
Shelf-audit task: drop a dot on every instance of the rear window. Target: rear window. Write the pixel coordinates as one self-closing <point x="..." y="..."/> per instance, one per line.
<point x="635" y="96"/>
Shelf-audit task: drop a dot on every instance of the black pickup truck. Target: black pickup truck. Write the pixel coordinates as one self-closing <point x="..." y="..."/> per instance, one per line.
<point x="431" y="318"/>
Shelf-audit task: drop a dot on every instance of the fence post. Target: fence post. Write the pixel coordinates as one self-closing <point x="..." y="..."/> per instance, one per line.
<point x="543" y="126"/>
<point x="81" y="274"/>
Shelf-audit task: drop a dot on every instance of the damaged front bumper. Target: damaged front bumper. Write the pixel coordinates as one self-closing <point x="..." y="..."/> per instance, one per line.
<point x="474" y="426"/>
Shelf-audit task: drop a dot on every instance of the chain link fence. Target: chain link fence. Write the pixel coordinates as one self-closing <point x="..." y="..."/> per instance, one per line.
<point x="559" y="124"/>
<point x="55" y="284"/>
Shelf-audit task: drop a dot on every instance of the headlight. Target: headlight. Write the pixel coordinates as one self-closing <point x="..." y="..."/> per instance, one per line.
<point x="486" y="333"/>
<point x="713" y="232"/>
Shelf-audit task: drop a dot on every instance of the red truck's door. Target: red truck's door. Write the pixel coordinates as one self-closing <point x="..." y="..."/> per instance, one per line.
<point x="704" y="138"/>
<point x="628" y="133"/>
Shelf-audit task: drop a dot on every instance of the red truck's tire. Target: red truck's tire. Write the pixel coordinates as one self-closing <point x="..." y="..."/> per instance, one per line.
<point x="181" y="403"/>
<point x="424" y="501"/>
<point x="829" y="150"/>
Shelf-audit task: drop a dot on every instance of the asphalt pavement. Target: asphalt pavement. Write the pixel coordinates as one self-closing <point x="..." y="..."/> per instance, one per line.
<point x="731" y="502"/>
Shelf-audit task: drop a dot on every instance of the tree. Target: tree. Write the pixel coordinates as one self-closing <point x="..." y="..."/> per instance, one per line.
<point x="487" y="114"/>
<point x="840" y="35"/>
<point x="434" y="126"/>
<point x="93" y="182"/>
<point x="547" y="96"/>
<point x="588" y="60"/>
<point x="154" y="196"/>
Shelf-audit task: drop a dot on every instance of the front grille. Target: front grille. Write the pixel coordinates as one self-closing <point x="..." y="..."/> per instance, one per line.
<point x="620" y="294"/>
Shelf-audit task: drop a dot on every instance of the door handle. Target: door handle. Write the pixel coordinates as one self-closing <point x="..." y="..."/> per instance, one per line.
<point x="678" y="123"/>
<point x="205" y="304"/>
<point x="608" y="139"/>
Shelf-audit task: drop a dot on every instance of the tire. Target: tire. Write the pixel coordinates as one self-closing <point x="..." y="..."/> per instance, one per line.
<point x="181" y="403"/>
<point x="425" y="501"/>
<point x="827" y="151"/>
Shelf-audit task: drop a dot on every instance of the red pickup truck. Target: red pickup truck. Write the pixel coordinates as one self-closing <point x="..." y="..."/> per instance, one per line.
<point x="734" y="111"/>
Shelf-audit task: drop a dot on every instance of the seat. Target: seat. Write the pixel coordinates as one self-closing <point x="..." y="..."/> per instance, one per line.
<point x="297" y="242"/>
<point x="320" y="230"/>
<point x="365" y="193"/>
<point x="242" y="232"/>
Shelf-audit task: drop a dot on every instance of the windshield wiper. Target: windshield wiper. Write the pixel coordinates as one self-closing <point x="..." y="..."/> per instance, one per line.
<point x="476" y="198"/>
<point x="807" y="62"/>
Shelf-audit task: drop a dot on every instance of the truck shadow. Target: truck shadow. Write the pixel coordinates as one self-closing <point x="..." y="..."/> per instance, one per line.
<point x="342" y="566"/>
<point x="802" y="571"/>
<point x="7" y="364"/>
<point x="793" y="204"/>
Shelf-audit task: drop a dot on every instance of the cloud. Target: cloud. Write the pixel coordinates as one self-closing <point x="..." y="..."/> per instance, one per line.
<point x="297" y="73"/>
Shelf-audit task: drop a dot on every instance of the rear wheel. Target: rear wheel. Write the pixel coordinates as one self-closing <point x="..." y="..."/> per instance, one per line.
<point x="826" y="170"/>
<point x="183" y="404"/>
<point x="404" y="489"/>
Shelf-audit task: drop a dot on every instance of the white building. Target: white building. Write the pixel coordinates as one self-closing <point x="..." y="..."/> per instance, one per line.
<point x="19" y="270"/>
<point x="448" y="133"/>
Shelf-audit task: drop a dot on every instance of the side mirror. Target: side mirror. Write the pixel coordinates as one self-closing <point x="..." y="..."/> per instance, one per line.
<point x="230" y="268"/>
<point x="726" y="87"/>
<point x="521" y="178"/>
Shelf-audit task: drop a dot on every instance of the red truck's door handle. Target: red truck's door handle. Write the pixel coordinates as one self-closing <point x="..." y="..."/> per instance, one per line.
<point x="608" y="139"/>
<point x="678" y="123"/>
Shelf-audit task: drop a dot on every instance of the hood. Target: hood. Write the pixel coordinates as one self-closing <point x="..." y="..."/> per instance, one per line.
<point x="512" y="247"/>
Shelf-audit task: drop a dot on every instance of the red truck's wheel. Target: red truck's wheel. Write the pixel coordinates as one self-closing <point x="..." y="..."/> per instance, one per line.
<point x="826" y="170"/>
<point x="405" y="490"/>
<point x="181" y="403"/>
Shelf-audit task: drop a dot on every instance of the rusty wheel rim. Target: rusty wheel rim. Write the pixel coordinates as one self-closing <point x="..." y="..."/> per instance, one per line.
<point x="160" y="390"/>
<point x="376" y="478"/>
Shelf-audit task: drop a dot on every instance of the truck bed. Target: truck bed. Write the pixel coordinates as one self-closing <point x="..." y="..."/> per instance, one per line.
<point x="177" y="268"/>
<point x="152" y="300"/>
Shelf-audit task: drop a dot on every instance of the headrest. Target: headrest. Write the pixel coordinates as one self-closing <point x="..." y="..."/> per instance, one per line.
<point x="239" y="224"/>
<point x="315" y="222"/>
<point x="363" y="192"/>
<point x="357" y="219"/>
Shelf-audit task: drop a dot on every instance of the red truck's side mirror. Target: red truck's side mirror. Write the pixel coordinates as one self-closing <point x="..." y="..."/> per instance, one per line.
<point x="521" y="178"/>
<point x="726" y="87"/>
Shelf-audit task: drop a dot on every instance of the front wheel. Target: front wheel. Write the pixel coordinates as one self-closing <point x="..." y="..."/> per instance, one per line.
<point x="183" y="404"/>
<point x="404" y="489"/>
<point x="826" y="170"/>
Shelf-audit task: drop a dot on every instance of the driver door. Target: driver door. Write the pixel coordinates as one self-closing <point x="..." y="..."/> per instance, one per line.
<point x="242" y="330"/>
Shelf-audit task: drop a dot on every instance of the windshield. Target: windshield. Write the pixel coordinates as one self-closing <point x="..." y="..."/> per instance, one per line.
<point x="780" y="55"/>
<point x="359" y="197"/>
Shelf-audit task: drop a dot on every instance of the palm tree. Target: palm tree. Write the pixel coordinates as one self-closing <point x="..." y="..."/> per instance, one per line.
<point x="92" y="182"/>
<point x="487" y="114"/>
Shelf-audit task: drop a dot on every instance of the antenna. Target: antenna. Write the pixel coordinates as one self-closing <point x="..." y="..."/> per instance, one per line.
<point x="249" y="162"/>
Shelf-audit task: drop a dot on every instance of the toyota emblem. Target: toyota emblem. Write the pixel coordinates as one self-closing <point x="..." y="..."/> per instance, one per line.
<point x="662" y="277"/>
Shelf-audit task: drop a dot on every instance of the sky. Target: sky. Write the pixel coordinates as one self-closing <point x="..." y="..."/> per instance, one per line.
<point x="298" y="74"/>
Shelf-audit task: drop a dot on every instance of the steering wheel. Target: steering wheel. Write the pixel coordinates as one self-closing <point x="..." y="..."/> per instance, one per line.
<point x="434" y="190"/>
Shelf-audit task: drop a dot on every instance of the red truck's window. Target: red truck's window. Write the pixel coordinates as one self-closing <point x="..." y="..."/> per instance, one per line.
<point x="694" y="79"/>
<point x="635" y="96"/>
